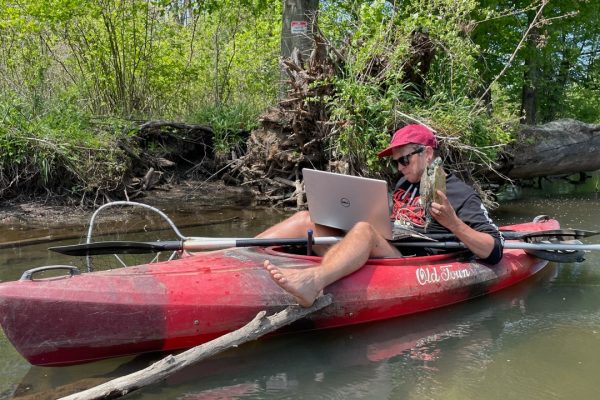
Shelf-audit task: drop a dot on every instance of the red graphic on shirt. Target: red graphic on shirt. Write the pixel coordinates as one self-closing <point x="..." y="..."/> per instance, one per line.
<point x="407" y="208"/>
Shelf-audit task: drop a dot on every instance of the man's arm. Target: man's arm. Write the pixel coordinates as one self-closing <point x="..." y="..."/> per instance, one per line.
<point x="481" y="244"/>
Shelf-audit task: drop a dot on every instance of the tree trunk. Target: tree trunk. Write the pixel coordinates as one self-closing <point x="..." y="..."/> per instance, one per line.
<point x="297" y="30"/>
<point x="531" y="76"/>
<point x="294" y="134"/>
<point x="557" y="148"/>
<point x="422" y="52"/>
<point x="556" y="91"/>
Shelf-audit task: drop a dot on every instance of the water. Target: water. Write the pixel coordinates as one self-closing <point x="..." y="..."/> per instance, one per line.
<point x="538" y="340"/>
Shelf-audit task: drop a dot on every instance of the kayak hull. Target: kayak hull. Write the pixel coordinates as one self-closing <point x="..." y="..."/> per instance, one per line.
<point x="182" y="303"/>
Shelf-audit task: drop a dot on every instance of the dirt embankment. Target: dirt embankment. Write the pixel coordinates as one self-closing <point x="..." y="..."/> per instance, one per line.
<point x="197" y="195"/>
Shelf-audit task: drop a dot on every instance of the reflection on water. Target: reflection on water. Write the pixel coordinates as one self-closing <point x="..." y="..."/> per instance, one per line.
<point x="579" y="211"/>
<point x="539" y="340"/>
<point x="575" y="184"/>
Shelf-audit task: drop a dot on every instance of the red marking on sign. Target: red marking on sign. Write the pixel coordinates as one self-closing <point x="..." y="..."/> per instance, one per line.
<point x="299" y="27"/>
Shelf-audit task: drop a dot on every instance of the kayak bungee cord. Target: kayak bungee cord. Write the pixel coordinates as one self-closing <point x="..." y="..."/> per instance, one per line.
<point x="88" y="259"/>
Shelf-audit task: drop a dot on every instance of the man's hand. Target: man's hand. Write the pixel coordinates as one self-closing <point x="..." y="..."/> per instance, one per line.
<point x="480" y="243"/>
<point x="444" y="213"/>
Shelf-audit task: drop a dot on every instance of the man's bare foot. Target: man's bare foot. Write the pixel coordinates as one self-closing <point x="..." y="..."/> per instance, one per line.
<point x="301" y="283"/>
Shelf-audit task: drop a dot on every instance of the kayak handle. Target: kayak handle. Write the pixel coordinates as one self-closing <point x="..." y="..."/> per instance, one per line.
<point x="28" y="275"/>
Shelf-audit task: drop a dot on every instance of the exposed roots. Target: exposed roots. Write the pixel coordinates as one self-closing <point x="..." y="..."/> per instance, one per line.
<point x="293" y="134"/>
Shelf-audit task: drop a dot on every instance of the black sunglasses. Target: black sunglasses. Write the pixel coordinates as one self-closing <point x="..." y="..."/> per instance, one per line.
<point x="405" y="160"/>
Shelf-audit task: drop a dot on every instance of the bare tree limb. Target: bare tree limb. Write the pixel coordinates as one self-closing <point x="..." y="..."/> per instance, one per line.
<point x="160" y="370"/>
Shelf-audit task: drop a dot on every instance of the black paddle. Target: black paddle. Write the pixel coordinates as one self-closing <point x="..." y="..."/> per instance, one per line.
<point x="197" y="244"/>
<point x="203" y="244"/>
<point x="559" y="234"/>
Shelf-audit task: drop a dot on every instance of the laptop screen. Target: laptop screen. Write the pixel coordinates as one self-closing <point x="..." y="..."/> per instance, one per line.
<point x="340" y="201"/>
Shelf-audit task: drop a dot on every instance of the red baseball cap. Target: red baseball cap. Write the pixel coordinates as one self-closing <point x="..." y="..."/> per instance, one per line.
<point x="417" y="134"/>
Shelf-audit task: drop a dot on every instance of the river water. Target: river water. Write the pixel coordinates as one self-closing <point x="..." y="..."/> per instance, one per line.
<point x="538" y="340"/>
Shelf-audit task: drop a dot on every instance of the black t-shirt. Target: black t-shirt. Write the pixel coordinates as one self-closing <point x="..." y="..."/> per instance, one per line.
<point x="466" y="203"/>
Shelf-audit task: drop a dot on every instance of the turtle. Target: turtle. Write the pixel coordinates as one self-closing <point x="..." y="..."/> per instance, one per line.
<point x="432" y="180"/>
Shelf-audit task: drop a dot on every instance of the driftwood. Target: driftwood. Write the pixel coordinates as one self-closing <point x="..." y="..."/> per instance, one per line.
<point x="556" y="148"/>
<point x="161" y="150"/>
<point x="160" y="370"/>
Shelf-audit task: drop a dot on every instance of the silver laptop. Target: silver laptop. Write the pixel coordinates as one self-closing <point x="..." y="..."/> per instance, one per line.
<point x="340" y="201"/>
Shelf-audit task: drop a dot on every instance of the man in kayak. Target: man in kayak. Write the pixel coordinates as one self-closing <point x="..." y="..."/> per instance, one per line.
<point x="459" y="211"/>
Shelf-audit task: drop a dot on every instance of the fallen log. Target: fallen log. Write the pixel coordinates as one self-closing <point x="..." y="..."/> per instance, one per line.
<point x="557" y="148"/>
<point x="160" y="370"/>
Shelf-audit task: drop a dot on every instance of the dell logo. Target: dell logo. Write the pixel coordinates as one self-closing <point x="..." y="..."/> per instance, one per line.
<point x="345" y="202"/>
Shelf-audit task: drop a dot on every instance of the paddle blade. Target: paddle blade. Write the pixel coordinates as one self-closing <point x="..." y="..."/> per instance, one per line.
<point x="117" y="247"/>
<point x="558" y="234"/>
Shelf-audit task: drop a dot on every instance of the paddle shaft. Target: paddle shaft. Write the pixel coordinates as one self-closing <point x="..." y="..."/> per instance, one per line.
<point x="216" y="244"/>
<point x="507" y="245"/>
<point x="194" y="245"/>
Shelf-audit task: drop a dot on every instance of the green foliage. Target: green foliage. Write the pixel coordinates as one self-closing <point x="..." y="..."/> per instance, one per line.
<point x="455" y="121"/>
<point x="237" y="58"/>
<point x="56" y="149"/>
<point x="64" y="63"/>
<point x="374" y="96"/>
<point x="557" y="61"/>
<point x="228" y="122"/>
<point x="582" y="103"/>
<point x="143" y="59"/>
<point x="474" y="42"/>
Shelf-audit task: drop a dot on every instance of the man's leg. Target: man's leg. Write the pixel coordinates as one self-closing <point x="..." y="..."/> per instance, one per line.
<point x="297" y="226"/>
<point x="347" y="256"/>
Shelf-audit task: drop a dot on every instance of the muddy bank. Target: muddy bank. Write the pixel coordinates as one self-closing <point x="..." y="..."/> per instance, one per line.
<point x="24" y="218"/>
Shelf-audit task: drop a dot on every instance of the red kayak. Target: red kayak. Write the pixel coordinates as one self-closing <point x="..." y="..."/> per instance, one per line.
<point x="182" y="303"/>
